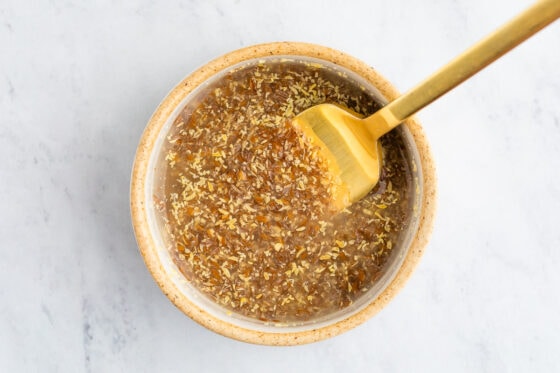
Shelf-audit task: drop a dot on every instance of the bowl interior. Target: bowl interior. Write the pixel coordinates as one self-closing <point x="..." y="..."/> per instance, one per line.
<point x="153" y="190"/>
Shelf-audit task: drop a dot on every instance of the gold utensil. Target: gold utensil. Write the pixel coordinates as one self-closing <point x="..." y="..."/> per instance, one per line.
<point x="351" y="143"/>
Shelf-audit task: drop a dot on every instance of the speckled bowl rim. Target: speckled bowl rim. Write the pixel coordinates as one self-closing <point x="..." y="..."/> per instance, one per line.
<point x="146" y="242"/>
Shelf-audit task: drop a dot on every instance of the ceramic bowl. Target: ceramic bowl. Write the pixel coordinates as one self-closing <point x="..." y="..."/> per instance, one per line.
<point x="200" y="308"/>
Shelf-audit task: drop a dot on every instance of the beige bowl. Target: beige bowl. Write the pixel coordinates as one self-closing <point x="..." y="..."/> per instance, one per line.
<point x="199" y="308"/>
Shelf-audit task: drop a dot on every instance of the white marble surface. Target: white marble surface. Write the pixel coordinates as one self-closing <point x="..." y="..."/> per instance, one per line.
<point x="79" y="80"/>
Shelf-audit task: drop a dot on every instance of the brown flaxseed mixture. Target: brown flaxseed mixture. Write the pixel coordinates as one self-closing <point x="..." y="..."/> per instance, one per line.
<point x="248" y="202"/>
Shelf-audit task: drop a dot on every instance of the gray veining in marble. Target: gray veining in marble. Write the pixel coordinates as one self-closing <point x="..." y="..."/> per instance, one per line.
<point x="79" y="80"/>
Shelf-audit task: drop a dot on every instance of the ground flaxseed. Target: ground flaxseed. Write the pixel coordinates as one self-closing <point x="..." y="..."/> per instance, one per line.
<point x="247" y="200"/>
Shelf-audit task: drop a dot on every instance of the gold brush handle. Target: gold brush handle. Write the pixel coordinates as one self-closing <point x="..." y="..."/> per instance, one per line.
<point x="467" y="64"/>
